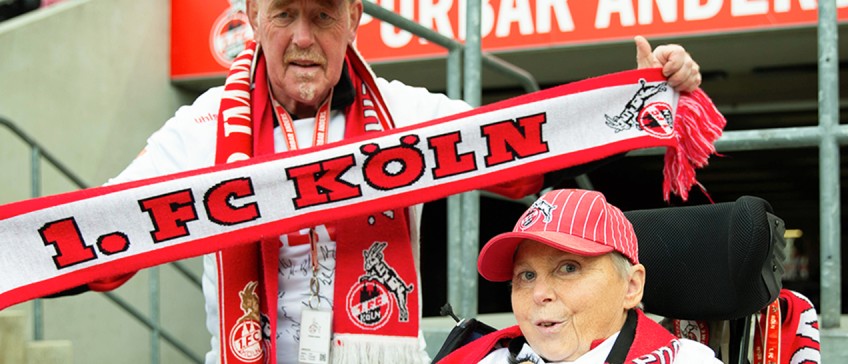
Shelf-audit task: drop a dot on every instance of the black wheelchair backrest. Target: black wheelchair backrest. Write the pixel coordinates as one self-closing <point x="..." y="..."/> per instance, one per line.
<point x="710" y="262"/>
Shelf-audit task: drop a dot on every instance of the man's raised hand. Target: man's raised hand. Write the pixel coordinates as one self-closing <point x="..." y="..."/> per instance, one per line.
<point x="682" y="71"/>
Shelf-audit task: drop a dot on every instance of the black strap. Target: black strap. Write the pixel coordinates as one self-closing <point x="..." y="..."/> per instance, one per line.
<point x="516" y="344"/>
<point x="624" y="340"/>
<point x="619" y="350"/>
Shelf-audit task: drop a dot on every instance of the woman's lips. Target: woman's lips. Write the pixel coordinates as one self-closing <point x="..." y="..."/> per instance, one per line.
<point x="549" y="326"/>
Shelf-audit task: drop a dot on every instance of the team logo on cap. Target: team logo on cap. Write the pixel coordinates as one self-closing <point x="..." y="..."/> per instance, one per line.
<point x="659" y="118"/>
<point x="370" y="302"/>
<point x="540" y="208"/>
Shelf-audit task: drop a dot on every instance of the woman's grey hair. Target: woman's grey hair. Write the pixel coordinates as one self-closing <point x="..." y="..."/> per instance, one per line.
<point x="622" y="264"/>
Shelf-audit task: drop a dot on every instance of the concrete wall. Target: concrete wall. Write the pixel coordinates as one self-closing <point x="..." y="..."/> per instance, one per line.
<point x="89" y="80"/>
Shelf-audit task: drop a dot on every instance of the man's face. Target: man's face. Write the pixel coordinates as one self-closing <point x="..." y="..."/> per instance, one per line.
<point x="563" y="301"/>
<point x="304" y="43"/>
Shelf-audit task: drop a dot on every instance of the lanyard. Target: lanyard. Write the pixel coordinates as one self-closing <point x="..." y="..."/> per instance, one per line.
<point x="322" y="121"/>
<point x="314" y="285"/>
<point x="767" y="344"/>
<point x="319" y="137"/>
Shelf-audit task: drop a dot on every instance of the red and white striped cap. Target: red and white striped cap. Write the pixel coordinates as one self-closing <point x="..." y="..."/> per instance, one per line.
<point x="576" y="221"/>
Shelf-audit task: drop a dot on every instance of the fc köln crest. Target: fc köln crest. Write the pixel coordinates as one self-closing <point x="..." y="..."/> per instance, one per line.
<point x="539" y="209"/>
<point x="693" y="330"/>
<point x="656" y="119"/>
<point x="653" y="118"/>
<point x="371" y="302"/>
<point x="246" y="336"/>
<point x="230" y="33"/>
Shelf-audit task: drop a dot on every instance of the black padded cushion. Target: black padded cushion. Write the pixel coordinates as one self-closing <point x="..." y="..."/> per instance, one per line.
<point x="710" y="262"/>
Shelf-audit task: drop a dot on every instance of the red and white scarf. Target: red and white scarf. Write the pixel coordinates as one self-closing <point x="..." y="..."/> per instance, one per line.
<point x="651" y="344"/>
<point x="787" y="331"/>
<point x="375" y="285"/>
<point x="57" y="242"/>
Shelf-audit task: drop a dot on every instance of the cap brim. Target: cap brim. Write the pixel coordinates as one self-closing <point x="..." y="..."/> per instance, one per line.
<point x="495" y="260"/>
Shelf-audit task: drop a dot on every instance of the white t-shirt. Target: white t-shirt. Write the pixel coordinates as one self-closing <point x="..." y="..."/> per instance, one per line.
<point x="187" y="141"/>
<point x="691" y="352"/>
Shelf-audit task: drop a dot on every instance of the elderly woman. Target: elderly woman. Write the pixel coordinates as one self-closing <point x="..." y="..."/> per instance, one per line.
<point x="573" y="262"/>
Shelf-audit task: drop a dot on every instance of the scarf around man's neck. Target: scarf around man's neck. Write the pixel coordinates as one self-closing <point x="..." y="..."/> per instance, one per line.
<point x="57" y="242"/>
<point x="375" y="318"/>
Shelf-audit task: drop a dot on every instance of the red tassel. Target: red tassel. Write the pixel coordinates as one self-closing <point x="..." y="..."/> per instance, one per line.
<point x="697" y="125"/>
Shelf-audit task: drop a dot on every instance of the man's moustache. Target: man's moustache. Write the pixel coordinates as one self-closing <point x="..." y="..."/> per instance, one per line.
<point x="310" y="56"/>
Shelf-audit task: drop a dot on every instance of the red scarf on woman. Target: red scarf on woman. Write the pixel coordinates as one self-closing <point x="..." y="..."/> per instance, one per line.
<point x="651" y="344"/>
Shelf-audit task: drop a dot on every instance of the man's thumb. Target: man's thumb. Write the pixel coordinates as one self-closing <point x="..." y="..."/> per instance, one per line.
<point x="644" y="54"/>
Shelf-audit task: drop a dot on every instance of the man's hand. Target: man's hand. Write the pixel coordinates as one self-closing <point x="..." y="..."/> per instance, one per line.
<point x="682" y="71"/>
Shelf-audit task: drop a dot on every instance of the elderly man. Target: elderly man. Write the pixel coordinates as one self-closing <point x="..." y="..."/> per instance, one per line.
<point x="573" y="261"/>
<point x="302" y="85"/>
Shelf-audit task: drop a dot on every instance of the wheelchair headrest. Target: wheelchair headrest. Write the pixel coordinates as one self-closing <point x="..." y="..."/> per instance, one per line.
<point x="710" y="262"/>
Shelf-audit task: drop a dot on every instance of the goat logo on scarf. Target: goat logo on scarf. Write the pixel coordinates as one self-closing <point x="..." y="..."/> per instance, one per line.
<point x="246" y="336"/>
<point x="370" y="305"/>
<point x="656" y="118"/>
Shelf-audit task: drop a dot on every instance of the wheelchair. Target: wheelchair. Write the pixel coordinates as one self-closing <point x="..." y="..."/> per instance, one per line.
<point x="718" y="265"/>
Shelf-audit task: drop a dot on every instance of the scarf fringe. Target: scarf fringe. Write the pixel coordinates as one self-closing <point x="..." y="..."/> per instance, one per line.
<point x="698" y="124"/>
<point x="355" y="349"/>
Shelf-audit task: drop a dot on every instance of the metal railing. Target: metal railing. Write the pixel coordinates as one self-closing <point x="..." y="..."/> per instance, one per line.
<point x="37" y="153"/>
<point x="829" y="209"/>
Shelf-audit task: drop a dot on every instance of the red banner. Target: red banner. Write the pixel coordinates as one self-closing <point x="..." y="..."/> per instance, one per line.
<point x="206" y="35"/>
<point x="206" y="30"/>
